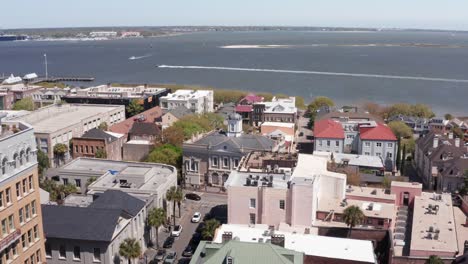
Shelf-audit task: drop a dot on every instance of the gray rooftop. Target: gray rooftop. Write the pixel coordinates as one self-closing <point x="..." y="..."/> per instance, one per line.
<point x="80" y="223"/>
<point x="99" y="134"/>
<point x="54" y="117"/>
<point x="247" y="141"/>
<point x="113" y="199"/>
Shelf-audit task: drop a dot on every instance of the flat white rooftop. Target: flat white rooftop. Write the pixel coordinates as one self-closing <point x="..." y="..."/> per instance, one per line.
<point x="433" y="230"/>
<point x="53" y="118"/>
<point x="353" y="159"/>
<point x="312" y="245"/>
<point x="187" y="94"/>
<point x="278" y="124"/>
<point x="308" y="166"/>
<point x="369" y="192"/>
<point x="370" y="209"/>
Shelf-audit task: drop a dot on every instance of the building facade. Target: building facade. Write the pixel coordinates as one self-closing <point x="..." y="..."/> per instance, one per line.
<point x="209" y="159"/>
<point x="148" y="97"/>
<point x="368" y="138"/>
<point x="97" y="141"/>
<point x="441" y="161"/>
<point x="94" y="233"/>
<point x="198" y="101"/>
<point x="22" y="236"/>
<point x="58" y="124"/>
<point x="278" y="110"/>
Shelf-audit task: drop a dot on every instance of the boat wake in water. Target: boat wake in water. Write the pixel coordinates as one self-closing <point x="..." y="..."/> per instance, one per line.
<point x="139" y="57"/>
<point x="346" y="74"/>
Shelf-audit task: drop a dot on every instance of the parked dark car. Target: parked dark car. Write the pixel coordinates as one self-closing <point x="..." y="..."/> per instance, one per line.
<point x="160" y="254"/>
<point x="196" y="238"/>
<point x="168" y="243"/>
<point x="193" y="196"/>
<point x="188" y="252"/>
<point x="170" y="258"/>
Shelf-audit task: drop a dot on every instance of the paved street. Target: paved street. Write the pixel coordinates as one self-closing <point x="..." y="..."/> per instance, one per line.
<point x="205" y="205"/>
<point x="304" y="142"/>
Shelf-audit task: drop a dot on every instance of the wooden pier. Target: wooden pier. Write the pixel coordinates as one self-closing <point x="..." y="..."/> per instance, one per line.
<point x="65" y="79"/>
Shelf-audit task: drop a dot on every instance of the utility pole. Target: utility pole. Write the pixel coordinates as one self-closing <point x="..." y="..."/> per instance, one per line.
<point x="45" y="62"/>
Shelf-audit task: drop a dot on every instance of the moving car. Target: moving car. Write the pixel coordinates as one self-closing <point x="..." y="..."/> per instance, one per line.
<point x="168" y="243"/>
<point x="193" y="196"/>
<point x="196" y="217"/>
<point x="188" y="252"/>
<point x="170" y="258"/>
<point x="177" y="230"/>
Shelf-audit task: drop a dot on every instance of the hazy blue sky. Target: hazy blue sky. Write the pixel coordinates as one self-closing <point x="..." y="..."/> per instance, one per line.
<point x="440" y="14"/>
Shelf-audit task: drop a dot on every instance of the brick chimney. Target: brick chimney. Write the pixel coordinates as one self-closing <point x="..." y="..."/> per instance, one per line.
<point x="277" y="240"/>
<point x="227" y="236"/>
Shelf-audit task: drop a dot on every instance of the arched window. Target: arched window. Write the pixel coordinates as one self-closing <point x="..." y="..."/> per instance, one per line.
<point x="15" y="160"/>
<point x="28" y="152"/>
<point x="4" y="165"/>
<point x="21" y="157"/>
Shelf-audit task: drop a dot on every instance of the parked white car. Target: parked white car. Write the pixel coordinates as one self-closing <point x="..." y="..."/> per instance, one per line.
<point x="196" y="217"/>
<point x="177" y="230"/>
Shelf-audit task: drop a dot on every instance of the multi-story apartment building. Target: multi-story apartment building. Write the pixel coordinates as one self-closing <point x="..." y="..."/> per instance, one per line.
<point x="146" y="96"/>
<point x="209" y="159"/>
<point x="360" y="137"/>
<point x="21" y="233"/>
<point x="58" y="124"/>
<point x="245" y="106"/>
<point x="93" y="233"/>
<point x="96" y="140"/>
<point x="198" y="101"/>
<point x="441" y="161"/>
<point x="278" y="110"/>
<point x="11" y="93"/>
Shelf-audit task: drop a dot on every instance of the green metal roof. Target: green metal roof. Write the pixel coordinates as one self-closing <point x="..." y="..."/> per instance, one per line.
<point x="245" y="253"/>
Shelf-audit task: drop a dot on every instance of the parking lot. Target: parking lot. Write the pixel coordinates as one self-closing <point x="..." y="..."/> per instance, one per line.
<point x="216" y="203"/>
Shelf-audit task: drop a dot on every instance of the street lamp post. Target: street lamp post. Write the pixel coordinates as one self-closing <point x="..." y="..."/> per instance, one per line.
<point x="45" y="63"/>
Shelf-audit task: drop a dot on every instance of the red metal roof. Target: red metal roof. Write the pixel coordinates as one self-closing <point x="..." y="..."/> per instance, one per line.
<point x="243" y="108"/>
<point x="328" y="128"/>
<point x="252" y="98"/>
<point x="149" y="115"/>
<point x="379" y="132"/>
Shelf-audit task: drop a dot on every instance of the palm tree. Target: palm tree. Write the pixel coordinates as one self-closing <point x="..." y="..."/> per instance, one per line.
<point x="179" y="197"/>
<point x="175" y="195"/>
<point x="156" y="218"/>
<point x="130" y="249"/>
<point x="353" y="216"/>
<point x="209" y="228"/>
<point x="433" y="259"/>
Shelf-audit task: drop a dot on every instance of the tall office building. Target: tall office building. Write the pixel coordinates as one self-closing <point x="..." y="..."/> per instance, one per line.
<point x="21" y="231"/>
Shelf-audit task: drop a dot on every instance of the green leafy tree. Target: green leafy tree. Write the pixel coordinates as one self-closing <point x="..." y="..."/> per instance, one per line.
<point x="103" y="126"/>
<point x="100" y="154"/>
<point x="421" y="110"/>
<point x="24" y="104"/>
<point x="403" y="161"/>
<point x="134" y="108"/>
<point x="209" y="229"/>
<point x="300" y="102"/>
<point x="386" y="182"/>
<point x="353" y="216"/>
<point x="400" y="129"/>
<point x="57" y="191"/>
<point x="167" y="154"/>
<point x="59" y="152"/>
<point x="43" y="161"/>
<point x="448" y="116"/>
<point x="458" y="132"/>
<point x="398" y="157"/>
<point x="172" y="135"/>
<point x="156" y="218"/>
<point x="318" y="102"/>
<point x="433" y="259"/>
<point x="175" y="195"/>
<point x="130" y="249"/>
